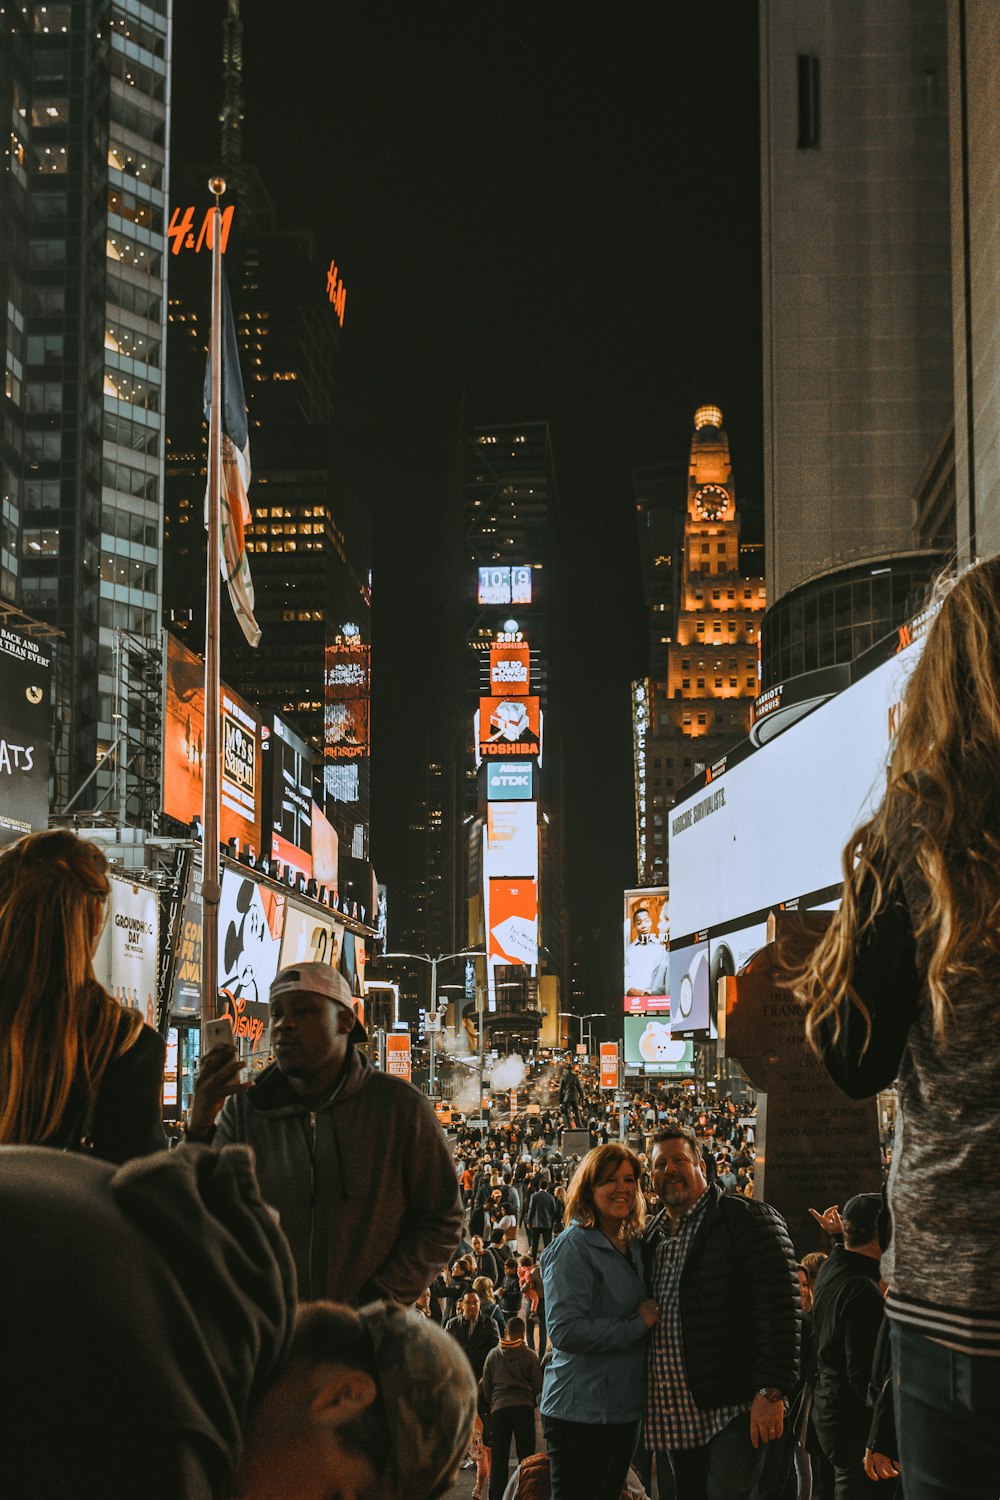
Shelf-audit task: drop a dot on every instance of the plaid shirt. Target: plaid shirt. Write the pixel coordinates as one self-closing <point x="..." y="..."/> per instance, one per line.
<point x="671" y="1419"/>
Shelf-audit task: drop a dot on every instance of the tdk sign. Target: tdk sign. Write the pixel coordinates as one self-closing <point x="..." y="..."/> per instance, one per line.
<point x="508" y="781"/>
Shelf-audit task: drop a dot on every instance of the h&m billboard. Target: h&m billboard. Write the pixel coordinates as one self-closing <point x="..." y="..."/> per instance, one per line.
<point x="25" y="719"/>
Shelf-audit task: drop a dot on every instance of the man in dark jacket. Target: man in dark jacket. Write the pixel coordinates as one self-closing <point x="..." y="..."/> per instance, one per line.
<point x="723" y="1358"/>
<point x="353" y="1160"/>
<point x="847" y="1314"/>
<point x="541" y="1215"/>
<point x="571" y="1098"/>
<point x="475" y="1330"/>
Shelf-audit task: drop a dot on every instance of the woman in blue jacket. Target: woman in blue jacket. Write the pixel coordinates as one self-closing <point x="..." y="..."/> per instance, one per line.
<point x="598" y="1318"/>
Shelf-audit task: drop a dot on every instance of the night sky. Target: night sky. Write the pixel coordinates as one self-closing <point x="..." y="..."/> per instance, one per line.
<point x="548" y="218"/>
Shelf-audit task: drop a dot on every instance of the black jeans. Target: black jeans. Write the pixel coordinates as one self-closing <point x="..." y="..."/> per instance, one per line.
<point x="947" y="1417"/>
<point x="537" y="1320"/>
<point x="589" y="1461"/>
<point x="517" y="1422"/>
<point x="536" y="1233"/>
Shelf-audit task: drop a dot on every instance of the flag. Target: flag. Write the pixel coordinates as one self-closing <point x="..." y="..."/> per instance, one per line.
<point x="234" y="507"/>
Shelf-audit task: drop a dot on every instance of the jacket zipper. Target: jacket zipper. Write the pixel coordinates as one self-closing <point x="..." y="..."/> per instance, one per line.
<point x="312" y="1195"/>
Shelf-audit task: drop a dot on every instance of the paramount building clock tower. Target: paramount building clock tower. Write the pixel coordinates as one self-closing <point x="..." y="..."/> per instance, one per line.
<point x="702" y="708"/>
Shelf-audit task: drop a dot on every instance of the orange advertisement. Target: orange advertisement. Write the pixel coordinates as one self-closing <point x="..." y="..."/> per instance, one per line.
<point x="510" y="670"/>
<point x="509" y="726"/>
<point x="397" y="1054"/>
<point x="184" y="751"/>
<point x="513" y="921"/>
<point x="609" y="1065"/>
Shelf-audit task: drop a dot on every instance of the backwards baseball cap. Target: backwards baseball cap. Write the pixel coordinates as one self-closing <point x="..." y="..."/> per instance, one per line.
<point x="428" y="1393"/>
<point x="319" y="979"/>
<point x="862" y="1212"/>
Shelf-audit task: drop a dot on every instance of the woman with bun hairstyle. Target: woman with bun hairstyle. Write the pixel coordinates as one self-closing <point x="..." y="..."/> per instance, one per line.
<point x="904" y="989"/>
<point x="77" y="1071"/>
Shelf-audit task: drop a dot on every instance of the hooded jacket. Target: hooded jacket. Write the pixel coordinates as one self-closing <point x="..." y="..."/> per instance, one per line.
<point x="512" y="1376"/>
<point x="146" y="1309"/>
<point x="364" y="1186"/>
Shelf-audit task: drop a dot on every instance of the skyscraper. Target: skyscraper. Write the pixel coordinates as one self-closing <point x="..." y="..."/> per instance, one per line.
<point x="83" y="198"/>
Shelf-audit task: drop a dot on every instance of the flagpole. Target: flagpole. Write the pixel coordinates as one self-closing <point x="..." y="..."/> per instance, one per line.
<point x="210" y="887"/>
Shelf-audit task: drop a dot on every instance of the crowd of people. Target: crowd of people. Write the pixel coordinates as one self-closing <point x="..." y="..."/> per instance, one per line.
<point x="316" y="1294"/>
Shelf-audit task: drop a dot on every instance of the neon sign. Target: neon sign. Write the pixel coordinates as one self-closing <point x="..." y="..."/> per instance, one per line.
<point x="180" y="230"/>
<point x="336" y="291"/>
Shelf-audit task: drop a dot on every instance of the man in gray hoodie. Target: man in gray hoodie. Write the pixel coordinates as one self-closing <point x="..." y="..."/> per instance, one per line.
<point x="354" y="1161"/>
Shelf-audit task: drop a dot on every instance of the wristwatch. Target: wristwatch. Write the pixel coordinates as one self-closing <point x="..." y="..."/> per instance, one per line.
<point x="771" y="1393"/>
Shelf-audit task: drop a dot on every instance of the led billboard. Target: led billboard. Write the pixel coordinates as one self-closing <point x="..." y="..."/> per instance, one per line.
<point x="325" y="851"/>
<point x="310" y="937"/>
<point x="646" y="939"/>
<point x="127" y="958"/>
<point x="346" y="696"/>
<point x="509" y="781"/>
<point x="509" y="726"/>
<point x="510" y="670"/>
<point x="291" y="798"/>
<point x="690" y="989"/>
<point x="184" y="751"/>
<point x="649" y="1044"/>
<point x="397" y="1054"/>
<point x="251" y="921"/>
<point x="25" y="717"/>
<point x="513" y="921"/>
<point x="186" y="999"/>
<point x="503" y="585"/>
<point x="511" y="839"/>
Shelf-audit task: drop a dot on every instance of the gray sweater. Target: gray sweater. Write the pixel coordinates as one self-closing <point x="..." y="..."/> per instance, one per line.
<point x="511" y="1377"/>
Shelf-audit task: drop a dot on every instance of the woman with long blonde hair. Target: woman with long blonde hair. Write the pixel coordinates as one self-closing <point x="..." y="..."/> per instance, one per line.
<point x="598" y="1315"/>
<point x="905" y="987"/>
<point x="77" y="1071"/>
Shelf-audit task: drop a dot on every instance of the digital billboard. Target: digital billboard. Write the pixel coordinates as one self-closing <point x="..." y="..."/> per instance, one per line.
<point x="690" y="1012"/>
<point x="511" y="839"/>
<point x="646" y="940"/>
<point x="397" y="1054"/>
<point x="509" y="781"/>
<point x="186" y="998"/>
<point x="184" y="751"/>
<point x="649" y="1044"/>
<point x="325" y="851"/>
<point x="513" y="921"/>
<point x="346" y="695"/>
<point x="291" y="798"/>
<point x="510" y="670"/>
<point x="127" y="958"/>
<point x="503" y="585"/>
<point x="25" y="718"/>
<point x="509" y="726"/>
<point x="310" y="937"/>
<point x="251" y="921"/>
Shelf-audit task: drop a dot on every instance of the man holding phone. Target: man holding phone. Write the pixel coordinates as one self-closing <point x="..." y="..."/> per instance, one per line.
<point x="354" y="1161"/>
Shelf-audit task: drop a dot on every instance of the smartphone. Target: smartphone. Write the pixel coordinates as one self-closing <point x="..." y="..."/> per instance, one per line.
<point x="216" y="1034"/>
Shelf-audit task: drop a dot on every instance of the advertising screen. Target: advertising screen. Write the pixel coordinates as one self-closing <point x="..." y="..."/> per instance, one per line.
<point x="509" y="781"/>
<point x="646" y="937"/>
<point x="648" y="1043"/>
<point x="251" y="921"/>
<point x="291" y="799"/>
<point x="502" y="585"/>
<point x="510" y="670"/>
<point x="609" y="1065"/>
<point x="689" y="990"/>
<point x="513" y="921"/>
<point x="346" y="692"/>
<point x="397" y="1054"/>
<point x="511" y="839"/>
<point x="184" y="751"/>
<point x="187" y="975"/>
<point x="736" y="845"/>
<point x="325" y="850"/>
<point x="310" y="937"/>
<point x="509" y="727"/>
<point x="25" y="715"/>
<point x="127" y="960"/>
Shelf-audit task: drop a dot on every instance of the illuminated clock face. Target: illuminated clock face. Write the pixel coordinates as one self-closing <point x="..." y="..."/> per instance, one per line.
<point x="711" y="502"/>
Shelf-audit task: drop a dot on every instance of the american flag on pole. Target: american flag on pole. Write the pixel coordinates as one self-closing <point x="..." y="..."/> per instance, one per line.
<point x="234" y="508"/>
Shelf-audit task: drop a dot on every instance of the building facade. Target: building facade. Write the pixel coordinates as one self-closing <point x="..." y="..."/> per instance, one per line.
<point x="83" y="201"/>
<point x="700" y="707"/>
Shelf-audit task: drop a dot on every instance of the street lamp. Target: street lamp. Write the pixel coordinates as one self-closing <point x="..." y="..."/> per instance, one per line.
<point x="434" y="960"/>
<point x="591" y="1015"/>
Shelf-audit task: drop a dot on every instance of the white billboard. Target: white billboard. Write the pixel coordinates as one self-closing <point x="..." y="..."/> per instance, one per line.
<point x="773" y="827"/>
<point x="310" y="936"/>
<point x="127" y="960"/>
<point x="511" y="846"/>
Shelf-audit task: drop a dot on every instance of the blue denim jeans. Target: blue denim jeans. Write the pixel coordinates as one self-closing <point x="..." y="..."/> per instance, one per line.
<point x="947" y="1419"/>
<point x="727" y="1468"/>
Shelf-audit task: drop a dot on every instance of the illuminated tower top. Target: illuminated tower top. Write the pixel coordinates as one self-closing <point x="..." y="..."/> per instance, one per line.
<point x="711" y="495"/>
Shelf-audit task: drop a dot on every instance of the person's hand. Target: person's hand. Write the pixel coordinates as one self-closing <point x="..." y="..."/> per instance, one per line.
<point x="649" y="1312"/>
<point x="880" y="1465"/>
<point x="767" y="1420"/>
<point x="829" y="1220"/>
<point x="218" y="1077"/>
